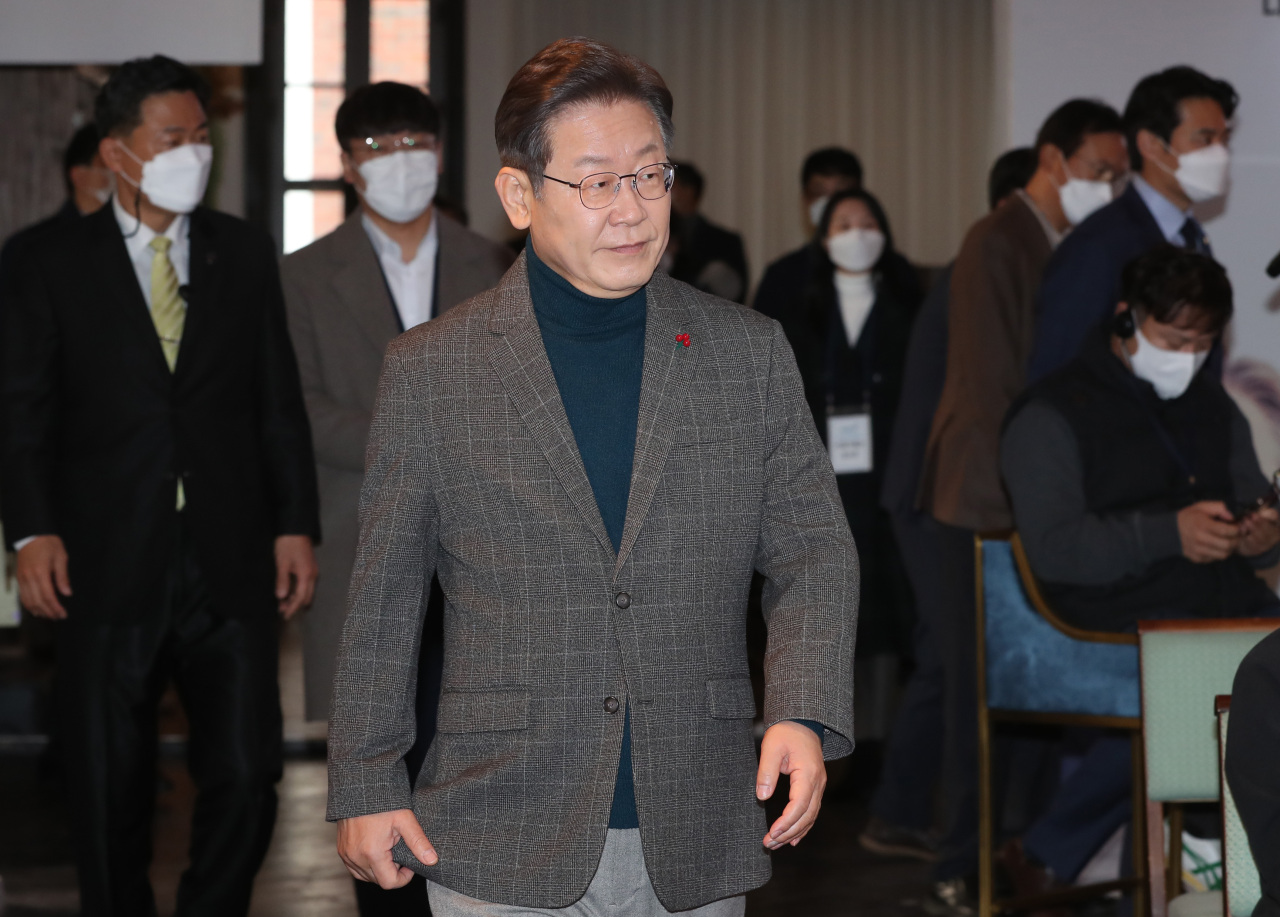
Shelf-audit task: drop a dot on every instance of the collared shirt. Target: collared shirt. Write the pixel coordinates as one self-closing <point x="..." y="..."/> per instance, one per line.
<point x="412" y="285"/>
<point x="1050" y="232"/>
<point x="1165" y="212"/>
<point x="137" y="242"/>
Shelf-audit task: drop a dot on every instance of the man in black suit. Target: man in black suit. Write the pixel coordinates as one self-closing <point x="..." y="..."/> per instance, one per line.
<point x="159" y="489"/>
<point x="89" y="185"/>
<point x="703" y="254"/>
<point x="825" y="172"/>
<point x="1177" y="124"/>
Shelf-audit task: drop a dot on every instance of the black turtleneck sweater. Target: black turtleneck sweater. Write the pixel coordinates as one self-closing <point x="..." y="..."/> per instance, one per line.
<point x="596" y="349"/>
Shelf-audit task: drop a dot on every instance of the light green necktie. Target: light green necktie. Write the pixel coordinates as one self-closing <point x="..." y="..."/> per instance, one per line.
<point x="168" y="313"/>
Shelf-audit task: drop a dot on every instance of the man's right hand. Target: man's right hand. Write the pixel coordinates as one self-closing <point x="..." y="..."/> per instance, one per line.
<point x="1208" y="531"/>
<point x="42" y="576"/>
<point x="365" y="843"/>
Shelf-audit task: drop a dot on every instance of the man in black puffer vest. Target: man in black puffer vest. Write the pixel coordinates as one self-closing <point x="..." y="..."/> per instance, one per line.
<point x="1136" y="490"/>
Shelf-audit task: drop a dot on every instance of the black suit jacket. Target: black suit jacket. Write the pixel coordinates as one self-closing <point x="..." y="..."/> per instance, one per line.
<point x="923" y="376"/>
<point x="703" y="242"/>
<point x="96" y="430"/>
<point x="783" y="282"/>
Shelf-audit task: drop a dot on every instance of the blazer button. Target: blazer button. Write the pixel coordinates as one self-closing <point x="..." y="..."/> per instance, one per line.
<point x="622" y="600"/>
<point x="611" y="705"/>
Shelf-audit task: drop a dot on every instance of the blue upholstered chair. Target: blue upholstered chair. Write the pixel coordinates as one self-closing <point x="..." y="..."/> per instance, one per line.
<point x="1035" y="668"/>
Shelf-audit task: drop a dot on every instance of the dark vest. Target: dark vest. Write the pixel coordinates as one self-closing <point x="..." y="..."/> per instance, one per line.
<point x="1140" y="453"/>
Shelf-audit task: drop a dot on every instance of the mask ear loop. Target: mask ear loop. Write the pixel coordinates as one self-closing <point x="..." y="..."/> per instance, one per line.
<point x="137" y="195"/>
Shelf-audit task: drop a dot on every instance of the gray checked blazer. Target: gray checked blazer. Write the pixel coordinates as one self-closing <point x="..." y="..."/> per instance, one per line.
<point x="473" y="473"/>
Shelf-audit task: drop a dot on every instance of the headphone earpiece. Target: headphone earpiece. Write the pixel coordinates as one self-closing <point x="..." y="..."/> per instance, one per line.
<point x="1122" y="326"/>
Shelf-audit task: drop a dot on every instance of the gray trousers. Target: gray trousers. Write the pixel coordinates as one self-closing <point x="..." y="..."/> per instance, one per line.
<point x="620" y="888"/>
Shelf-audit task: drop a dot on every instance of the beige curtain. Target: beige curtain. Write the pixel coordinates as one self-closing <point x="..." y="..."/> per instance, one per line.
<point x="907" y="84"/>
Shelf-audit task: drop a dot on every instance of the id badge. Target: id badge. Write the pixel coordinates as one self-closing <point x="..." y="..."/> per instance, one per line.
<point x="849" y="439"/>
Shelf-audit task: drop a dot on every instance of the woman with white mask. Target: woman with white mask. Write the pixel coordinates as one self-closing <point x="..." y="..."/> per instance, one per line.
<point x="849" y="328"/>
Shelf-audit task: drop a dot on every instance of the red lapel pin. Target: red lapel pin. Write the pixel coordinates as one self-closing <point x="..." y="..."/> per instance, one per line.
<point x="683" y="339"/>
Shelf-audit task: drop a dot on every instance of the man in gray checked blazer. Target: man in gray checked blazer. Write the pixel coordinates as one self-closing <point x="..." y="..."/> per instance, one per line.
<point x="593" y="458"/>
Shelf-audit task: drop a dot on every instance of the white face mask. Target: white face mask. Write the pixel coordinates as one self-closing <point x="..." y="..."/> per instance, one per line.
<point x="176" y="179"/>
<point x="1203" y="173"/>
<point x="1168" y="371"/>
<point x="103" y="194"/>
<point x="856" y="250"/>
<point x="1081" y="197"/>
<point x="815" y="210"/>
<point x="400" y="185"/>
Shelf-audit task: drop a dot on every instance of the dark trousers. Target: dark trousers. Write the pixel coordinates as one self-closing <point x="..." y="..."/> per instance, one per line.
<point x="110" y="678"/>
<point x="1087" y="809"/>
<point x="913" y="754"/>
<point x="957" y="641"/>
<point x="411" y="900"/>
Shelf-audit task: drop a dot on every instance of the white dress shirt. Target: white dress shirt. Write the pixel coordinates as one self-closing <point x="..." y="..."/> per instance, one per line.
<point x="137" y="242"/>
<point x="412" y="285"/>
<point x="856" y="294"/>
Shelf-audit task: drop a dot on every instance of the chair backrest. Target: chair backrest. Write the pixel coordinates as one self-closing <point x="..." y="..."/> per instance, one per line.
<point x="1185" y="665"/>
<point x="1035" y="664"/>
<point x="1240" y="881"/>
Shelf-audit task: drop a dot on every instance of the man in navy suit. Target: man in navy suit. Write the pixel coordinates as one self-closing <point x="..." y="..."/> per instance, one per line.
<point x="1177" y="123"/>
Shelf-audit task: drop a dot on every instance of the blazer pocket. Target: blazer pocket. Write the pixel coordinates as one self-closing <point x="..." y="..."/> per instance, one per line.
<point x="730" y="698"/>
<point x="483" y="711"/>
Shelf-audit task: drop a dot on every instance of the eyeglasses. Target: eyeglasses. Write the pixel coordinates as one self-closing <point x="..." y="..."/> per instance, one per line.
<point x="598" y="190"/>
<point x="404" y="143"/>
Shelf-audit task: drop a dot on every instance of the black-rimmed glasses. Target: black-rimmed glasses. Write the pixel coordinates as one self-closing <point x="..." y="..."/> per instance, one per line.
<point x="599" y="189"/>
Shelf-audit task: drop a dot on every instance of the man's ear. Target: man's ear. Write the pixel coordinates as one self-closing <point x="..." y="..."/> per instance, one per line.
<point x="516" y="194"/>
<point x="1151" y="146"/>
<point x="350" y="174"/>
<point x="112" y="156"/>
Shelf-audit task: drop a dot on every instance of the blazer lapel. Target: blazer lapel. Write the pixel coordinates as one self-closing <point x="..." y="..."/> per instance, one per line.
<point x="519" y="358"/>
<point x="206" y="270"/>
<point x="669" y="368"/>
<point x="120" y="285"/>
<point x="360" y="286"/>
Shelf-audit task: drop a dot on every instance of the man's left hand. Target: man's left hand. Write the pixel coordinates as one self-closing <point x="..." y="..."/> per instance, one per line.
<point x="793" y="749"/>
<point x="1260" y="531"/>
<point x="296" y="573"/>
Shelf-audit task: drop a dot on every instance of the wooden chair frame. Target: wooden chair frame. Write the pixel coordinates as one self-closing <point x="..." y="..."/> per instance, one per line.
<point x="988" y="719"/>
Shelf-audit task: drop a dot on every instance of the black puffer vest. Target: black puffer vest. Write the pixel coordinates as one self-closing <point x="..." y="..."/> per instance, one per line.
<point x="1141" y="453"/>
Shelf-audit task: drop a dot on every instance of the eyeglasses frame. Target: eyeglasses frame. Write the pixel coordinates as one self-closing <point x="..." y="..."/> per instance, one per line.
<point x="669" y="183"/>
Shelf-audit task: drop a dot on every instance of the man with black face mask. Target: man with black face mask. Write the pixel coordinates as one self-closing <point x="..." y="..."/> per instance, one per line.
<point x="1135" y="488"/>
<point x="159" y="489"/>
